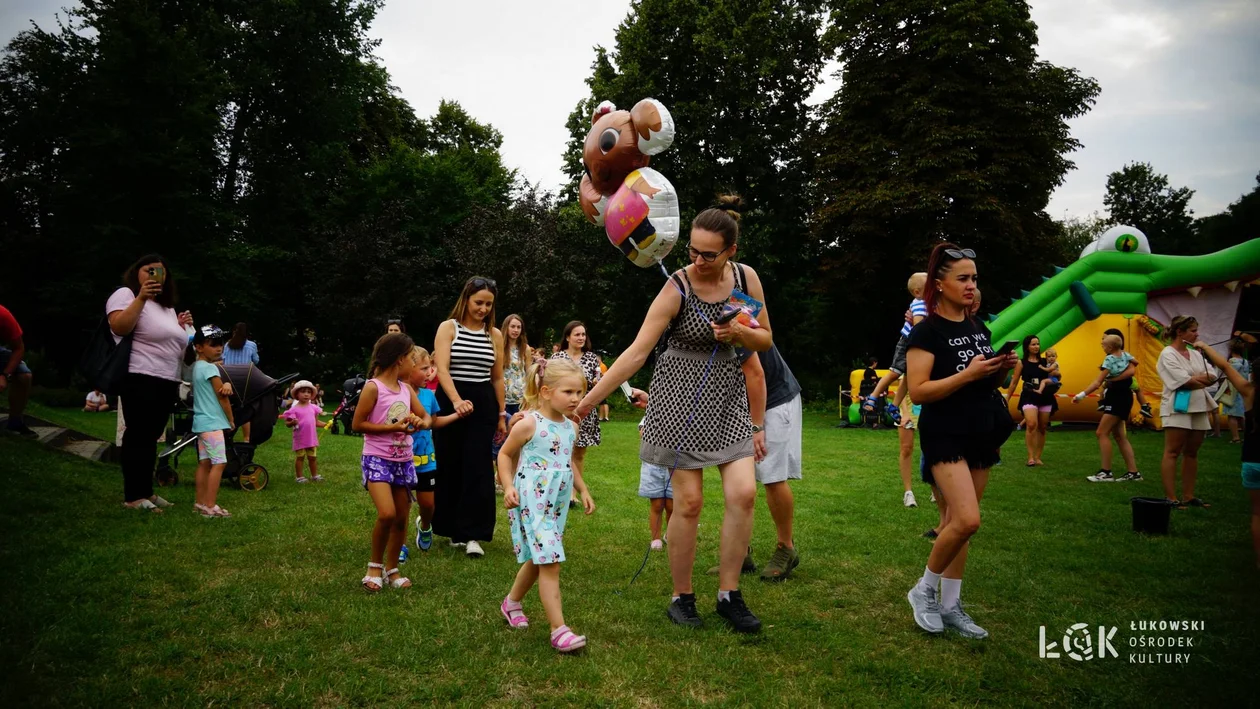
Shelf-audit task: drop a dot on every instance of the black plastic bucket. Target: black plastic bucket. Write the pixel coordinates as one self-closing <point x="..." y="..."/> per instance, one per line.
<point x="1151" y="514"/>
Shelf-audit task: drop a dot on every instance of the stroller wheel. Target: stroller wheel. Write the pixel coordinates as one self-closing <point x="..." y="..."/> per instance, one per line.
<point x="253" y="477"/>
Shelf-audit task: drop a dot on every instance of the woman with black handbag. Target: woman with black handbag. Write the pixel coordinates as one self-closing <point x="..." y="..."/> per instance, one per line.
<point x="144" y="309"/>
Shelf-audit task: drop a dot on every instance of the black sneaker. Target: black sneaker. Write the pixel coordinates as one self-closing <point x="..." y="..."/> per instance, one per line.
<point x="1146" y="411"/>
<point x="683" y="611"/>
<point x="737" y="614"/>
<point x="1130" y="478"/>
<point x="22" y="430"/>
<point x="930" y="534"/>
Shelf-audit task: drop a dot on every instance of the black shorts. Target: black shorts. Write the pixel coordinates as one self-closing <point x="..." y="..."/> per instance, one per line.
<point x="426" y="482"/>
<point x="981" y="449"/>
<point x="1117" y="400"/>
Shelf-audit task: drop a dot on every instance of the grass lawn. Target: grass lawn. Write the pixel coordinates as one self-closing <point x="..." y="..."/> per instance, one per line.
<point x="108" y="607"/>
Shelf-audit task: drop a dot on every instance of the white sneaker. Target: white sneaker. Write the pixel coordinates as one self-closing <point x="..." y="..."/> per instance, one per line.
<point x="474" y="549"/>
<point x="908" y="499"/>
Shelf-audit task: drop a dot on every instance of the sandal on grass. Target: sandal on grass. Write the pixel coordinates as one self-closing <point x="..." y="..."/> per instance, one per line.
<point x="318" y="478"/>
<point x="565" y="640"/>
<point x="1196" y="502"/>
<point x="513" y="614"/>
<point x="143" y="504"/>
<point x="374" y="583"/>
<point x="400" y="582"/>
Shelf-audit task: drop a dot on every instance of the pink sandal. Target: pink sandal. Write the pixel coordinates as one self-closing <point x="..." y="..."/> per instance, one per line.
<point x="513" y="614"/>
<point x="565" y="640"/>
<point x="400" y="582"/>
<point x="374" y="583"/>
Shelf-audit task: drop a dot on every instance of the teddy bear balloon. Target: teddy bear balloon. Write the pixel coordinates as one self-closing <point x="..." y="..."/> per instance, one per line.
<point x="635" y="204"/>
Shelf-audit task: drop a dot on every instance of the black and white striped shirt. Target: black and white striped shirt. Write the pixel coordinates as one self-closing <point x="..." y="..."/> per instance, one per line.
<point x="472" y="354"/>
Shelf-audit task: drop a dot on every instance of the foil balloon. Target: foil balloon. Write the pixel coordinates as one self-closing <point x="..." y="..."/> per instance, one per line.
<point x="635" y="204"/>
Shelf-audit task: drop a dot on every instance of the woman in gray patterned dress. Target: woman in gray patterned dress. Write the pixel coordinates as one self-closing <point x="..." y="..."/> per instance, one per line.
<point x="698" y="405"/>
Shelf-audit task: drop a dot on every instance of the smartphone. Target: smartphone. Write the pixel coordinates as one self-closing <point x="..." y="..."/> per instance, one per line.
<point x="158" y="273"/>
<point x="1006" y="348"/>
<point x="726" y="317"/>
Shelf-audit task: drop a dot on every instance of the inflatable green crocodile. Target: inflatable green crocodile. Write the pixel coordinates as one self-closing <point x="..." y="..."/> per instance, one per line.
<point x="1116" y="281"/>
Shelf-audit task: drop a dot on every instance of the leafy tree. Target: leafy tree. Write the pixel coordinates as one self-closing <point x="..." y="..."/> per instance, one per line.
<point x="1238" y="223"/>
<point x="946" y="126"/>
<point x="1140" y="197"/>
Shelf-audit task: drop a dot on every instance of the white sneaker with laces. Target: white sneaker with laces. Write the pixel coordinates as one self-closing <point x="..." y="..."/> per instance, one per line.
<point x="908" y="499"/>
<point x="474" y="549"/>
<point x="1102" y="476"/>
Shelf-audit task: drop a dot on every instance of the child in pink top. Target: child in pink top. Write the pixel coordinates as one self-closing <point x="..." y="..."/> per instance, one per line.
<point x="301" y="417"/>
<point x="387" y="415"/>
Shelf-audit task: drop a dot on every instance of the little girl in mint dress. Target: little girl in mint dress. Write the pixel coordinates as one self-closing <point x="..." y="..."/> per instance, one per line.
<point x="544" y="481"/>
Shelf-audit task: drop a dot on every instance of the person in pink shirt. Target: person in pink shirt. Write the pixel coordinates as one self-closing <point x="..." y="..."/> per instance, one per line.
<point x="301" y="417"/>
<point x="387" y="414"/>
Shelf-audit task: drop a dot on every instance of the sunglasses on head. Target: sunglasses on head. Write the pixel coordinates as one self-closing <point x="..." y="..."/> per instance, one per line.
<point x="484" y="284"/>
<point x="960" y="253"/>
<point x="708" y="256"/>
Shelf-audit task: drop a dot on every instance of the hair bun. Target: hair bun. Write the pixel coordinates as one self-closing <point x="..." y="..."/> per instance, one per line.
<point x="732" y="204"/>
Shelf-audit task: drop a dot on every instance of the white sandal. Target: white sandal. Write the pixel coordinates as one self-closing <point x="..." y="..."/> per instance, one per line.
<point x="143" y="504"/>
<point x="400" y="582"/>
<point x="374" y="583"/>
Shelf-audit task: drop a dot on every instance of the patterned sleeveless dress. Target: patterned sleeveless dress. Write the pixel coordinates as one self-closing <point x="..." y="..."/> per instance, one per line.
<point x="544" y="482"/>
<point x="693" y="420"/>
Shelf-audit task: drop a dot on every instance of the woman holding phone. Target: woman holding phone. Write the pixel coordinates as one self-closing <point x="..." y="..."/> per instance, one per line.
<point x="1183" y="408"/>
<point x="953" y="374"/>
<point x="144" y="307"/>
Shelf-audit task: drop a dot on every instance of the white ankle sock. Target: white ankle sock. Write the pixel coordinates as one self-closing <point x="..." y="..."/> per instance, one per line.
<point x="951" y="590"/>
<point x="724" y="595"/>
<point x="930" y="580"/>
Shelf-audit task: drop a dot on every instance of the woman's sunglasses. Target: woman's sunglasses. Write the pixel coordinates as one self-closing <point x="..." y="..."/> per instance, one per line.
<point x="484" y="284"/>
<point x="708" y="256"/>
<point x="960" y="253"/>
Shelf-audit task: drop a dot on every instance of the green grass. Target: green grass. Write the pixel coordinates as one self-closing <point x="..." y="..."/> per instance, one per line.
<point x="107" y="607"/>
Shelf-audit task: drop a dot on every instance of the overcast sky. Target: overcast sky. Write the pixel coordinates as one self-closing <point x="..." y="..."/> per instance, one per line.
<point x="1180" y="86"/>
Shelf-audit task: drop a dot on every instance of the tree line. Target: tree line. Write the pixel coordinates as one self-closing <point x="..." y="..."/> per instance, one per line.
<point x="260" y="146"/>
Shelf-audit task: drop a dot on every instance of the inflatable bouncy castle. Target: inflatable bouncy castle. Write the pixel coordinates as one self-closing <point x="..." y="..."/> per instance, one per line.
<point x="1118" y="283"/>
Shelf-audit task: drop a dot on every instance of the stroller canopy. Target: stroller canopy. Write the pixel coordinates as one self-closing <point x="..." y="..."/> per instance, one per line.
<point x="255" y="398"/>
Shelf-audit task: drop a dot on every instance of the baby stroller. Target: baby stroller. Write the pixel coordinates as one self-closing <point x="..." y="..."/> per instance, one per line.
<point x="344" y="415"/>
<point x="255" y="400"/>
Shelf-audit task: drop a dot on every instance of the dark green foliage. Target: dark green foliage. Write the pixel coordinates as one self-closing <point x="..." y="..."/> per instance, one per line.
<point x="946" y="127"/>
<point x="1140" y="197"/>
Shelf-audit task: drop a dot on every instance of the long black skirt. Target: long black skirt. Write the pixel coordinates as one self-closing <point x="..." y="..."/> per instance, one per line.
<point x="464" y="504"/>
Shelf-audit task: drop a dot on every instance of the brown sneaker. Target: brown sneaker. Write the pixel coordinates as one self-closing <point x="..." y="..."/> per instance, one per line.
<point x="749" y="567"/>
<point x="781" y="563"/>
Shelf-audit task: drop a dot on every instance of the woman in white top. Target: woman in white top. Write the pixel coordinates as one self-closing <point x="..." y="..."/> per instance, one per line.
<point x="1184" y="408"/>
<point x="145" y="309"/>
<point x="470" y="377"/>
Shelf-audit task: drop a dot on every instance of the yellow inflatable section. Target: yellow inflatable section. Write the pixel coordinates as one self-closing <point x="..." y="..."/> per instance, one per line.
<point x="1080" y="354"/>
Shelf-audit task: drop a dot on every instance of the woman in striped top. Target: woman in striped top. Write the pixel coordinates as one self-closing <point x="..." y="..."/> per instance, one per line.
<point x="470" y="374"/>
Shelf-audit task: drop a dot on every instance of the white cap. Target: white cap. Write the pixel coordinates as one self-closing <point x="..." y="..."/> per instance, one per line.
<point x="302" y="384"/>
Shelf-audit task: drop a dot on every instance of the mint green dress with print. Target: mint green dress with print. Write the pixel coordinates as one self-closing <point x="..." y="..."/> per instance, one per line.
<point x="544" y="483"/>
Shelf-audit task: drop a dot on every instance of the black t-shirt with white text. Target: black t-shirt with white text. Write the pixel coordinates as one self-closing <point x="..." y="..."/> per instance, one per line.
<point x="953" y="345"/>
